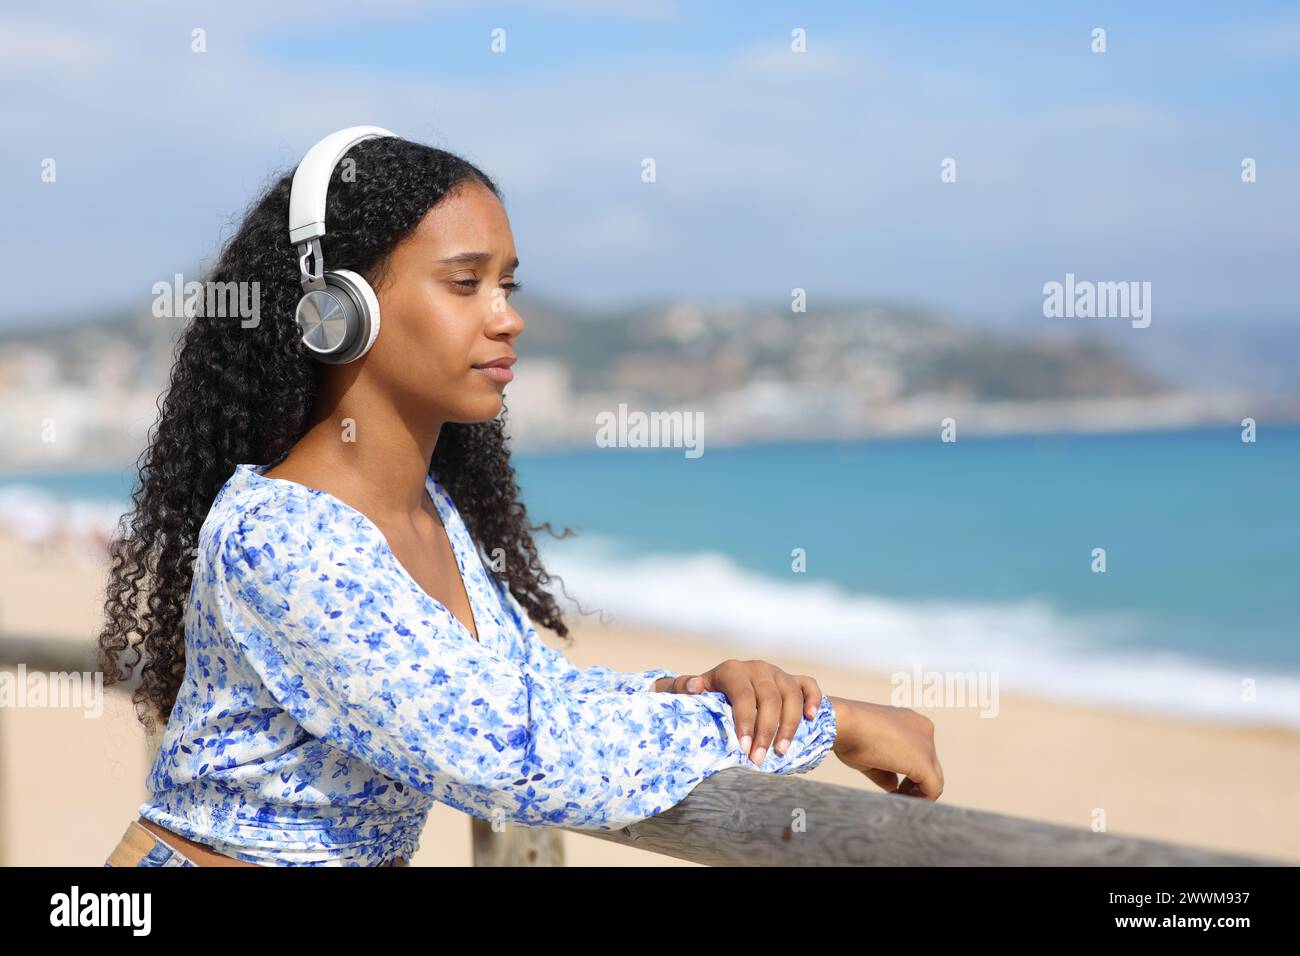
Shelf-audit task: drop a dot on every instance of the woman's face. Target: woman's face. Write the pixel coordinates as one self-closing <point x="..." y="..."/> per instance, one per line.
<point x="444" y="309"/>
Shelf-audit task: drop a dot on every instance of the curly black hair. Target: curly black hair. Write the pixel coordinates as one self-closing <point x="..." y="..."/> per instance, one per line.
<point x="245" y="394"/>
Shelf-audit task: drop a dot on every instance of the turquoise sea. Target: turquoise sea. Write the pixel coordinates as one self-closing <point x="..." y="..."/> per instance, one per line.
<point x="973" y="555"/>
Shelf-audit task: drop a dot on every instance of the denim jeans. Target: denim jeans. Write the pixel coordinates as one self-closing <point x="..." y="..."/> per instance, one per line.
<point x="141" y="847"/>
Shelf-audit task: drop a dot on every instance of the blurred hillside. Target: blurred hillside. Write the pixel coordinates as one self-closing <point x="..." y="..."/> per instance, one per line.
<point x="86" y="392"/>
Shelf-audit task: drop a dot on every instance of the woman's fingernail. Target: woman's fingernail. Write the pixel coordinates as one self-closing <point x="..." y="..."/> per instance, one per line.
<point x="782" y="747"/>
<point x="745" y="742"/>
<point x="758" y="755"/>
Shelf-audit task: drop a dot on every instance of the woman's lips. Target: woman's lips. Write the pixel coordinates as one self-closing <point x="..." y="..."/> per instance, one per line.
<point x="499" y="368"/>
<point x="498" y="373"/>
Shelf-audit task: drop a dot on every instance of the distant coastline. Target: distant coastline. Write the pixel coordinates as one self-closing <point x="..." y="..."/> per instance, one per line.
<point x="87" y="396"/>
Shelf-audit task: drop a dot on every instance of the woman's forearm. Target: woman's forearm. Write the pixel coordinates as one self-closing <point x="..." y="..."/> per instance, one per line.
<point x="848" y="715"/>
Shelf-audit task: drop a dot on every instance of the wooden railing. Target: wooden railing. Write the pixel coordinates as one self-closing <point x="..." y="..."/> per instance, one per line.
<point x="739" y="817"/>
<point x="46" y="653"/>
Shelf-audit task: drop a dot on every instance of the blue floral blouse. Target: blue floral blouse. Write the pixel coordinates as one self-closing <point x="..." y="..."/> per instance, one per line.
<point x="328" y="701"/>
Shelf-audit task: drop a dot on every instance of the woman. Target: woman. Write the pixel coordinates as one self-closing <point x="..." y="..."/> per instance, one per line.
<point x="321" y="633"/>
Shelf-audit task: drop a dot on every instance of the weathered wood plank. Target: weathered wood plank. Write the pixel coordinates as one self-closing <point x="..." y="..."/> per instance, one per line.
<point x="46" y="654"/>
<point x="739" y="817"/>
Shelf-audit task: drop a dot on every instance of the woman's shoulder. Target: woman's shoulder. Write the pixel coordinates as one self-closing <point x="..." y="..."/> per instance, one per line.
<point x="249" y="493"/>
<point x="252" y="506"/>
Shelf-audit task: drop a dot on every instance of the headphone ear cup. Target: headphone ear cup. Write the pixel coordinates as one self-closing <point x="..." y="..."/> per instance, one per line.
<point x="340" y="322"/>
<point x="367" y="312"/>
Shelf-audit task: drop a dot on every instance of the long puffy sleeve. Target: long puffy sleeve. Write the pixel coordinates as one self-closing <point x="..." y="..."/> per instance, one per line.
<point x="360" y="667"/>
<point x="546" y="661"/>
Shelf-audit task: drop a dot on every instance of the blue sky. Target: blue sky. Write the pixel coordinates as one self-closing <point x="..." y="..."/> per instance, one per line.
<point x="775" y="170"/>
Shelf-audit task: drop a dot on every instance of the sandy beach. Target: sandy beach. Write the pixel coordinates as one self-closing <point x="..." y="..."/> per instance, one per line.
<point x="69" y="784"/>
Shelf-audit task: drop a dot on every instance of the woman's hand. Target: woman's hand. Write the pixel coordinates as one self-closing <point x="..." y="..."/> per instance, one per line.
<point x="766" y="702"/>
<point x="883" y="741"/>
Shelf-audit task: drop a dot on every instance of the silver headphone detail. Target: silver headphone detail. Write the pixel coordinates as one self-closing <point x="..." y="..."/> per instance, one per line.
<point x="338" y="314"/>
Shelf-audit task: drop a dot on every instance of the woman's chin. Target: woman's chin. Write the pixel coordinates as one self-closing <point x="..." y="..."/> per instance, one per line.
<point x="481" y="409"/>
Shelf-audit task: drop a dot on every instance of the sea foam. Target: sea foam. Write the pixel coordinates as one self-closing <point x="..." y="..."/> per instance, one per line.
<point x="1034" y="648"/>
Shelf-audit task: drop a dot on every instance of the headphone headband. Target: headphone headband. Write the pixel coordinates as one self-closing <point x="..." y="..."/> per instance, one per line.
<point x="312" y="178"/>
<point x="338" y="313"/>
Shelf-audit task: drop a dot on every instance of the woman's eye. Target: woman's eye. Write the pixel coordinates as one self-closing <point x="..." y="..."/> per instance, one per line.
<point x="510" y="287"/>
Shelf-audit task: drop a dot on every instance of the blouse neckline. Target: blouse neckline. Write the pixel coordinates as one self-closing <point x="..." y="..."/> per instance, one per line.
<point x="451" y="525"/>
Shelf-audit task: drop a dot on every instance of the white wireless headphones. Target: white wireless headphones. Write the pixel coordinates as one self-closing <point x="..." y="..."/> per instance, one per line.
<point x="338" y="313"/>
